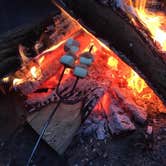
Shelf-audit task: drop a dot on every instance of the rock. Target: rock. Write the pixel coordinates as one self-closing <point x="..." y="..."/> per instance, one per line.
<point x="91" y="163"/>
<point x="2" y="144"/>
<point x="119" y="122"/>
<point x="154" y="121"/>
<point x="149" y="130"/>
<point x="139" y="113"/>
<point x="105" y="155"/>
<point x="76" y="165"/>
<point x="158" y="138"/>
<point x="94" y="150"/>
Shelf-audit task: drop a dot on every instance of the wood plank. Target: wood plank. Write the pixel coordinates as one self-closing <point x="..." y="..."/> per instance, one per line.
<point x="63" y="126"/>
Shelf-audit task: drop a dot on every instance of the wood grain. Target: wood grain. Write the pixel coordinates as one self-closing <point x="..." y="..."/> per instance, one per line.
<point x="63" y="126"/>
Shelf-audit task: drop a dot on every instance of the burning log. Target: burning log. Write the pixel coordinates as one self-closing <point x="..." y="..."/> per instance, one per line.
<point x="9" y="59"/>
<point x="61" y="28"/>
<point x="68" y="116"/>
<point x="125" y="38"/>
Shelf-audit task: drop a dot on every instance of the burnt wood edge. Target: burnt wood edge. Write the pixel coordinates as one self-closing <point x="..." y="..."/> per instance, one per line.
<point x="27" y="35"/>
<point x="107" y="24"/>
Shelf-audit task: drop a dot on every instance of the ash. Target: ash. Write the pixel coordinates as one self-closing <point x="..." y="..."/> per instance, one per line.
<point x="138" y="148"/>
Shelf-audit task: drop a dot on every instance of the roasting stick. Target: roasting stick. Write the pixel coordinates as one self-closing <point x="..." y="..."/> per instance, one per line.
<point x="80" y="71"/>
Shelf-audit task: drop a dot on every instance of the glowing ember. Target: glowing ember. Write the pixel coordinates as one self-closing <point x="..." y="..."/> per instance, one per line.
<point x="153" y="21"/>
<point x="41" y="60"/>
<point x="5" y="79"/>
<point x="35" y="72"/>
<point x="147" y="96"/>
<point x="136" y="83"/>
<point x="17" y="81"/>
<point x="107" y="70"/>
<point x="113" y="63"/>
<point x="67" y="71"/>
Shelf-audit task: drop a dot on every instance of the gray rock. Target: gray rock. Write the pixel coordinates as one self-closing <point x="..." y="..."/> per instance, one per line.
<point x="105" y="155"/>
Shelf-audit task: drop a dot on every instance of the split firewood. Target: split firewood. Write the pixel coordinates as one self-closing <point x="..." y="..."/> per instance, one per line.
<point x="63" y="126"/>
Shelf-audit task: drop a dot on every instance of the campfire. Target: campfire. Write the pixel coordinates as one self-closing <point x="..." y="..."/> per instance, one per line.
<point x="112" y="87"/>
<point x="108" y="70"/>
<point x="152" y="20"/>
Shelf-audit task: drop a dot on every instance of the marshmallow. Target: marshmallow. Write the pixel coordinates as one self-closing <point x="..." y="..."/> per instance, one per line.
<point x="86" y="61"/>
<point x="67" y="60"/>
<point x="71" y="45"/>
<point x="86" y="58"/>
<point x="80" y="71"/>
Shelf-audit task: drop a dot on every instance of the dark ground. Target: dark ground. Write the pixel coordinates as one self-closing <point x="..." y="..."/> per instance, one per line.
<point x="129" y="150"/>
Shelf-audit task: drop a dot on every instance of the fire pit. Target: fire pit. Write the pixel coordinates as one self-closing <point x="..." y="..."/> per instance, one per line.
<point x="120" y="96"/>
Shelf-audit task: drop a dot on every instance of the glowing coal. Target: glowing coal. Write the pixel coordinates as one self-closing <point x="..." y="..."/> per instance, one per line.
<point x="37" y="78"/>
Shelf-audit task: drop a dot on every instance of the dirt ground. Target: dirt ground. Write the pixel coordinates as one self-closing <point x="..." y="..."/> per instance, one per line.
<point x="133" y="149"/>
<point x="129" y="150"/>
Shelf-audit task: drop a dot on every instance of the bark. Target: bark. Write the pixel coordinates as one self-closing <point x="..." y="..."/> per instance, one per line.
<point x="27" y="35"/>
<point x="107" y="24"/>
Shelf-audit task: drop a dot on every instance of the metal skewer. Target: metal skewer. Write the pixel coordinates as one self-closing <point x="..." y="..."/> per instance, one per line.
<point x="62" y="98"/>
<point x="42" y="133"/>
<point x="52" y="114"/>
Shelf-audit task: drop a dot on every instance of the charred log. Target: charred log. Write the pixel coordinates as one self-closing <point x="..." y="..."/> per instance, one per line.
<point x="9" y="42"/>
<point x="125" y="38"/>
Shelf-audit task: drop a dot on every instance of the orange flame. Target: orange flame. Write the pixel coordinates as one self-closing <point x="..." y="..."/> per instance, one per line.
<point x="136" y="83"/>
<point x="6" y="79"/>
<point x="153" y="21"/>
<point x="36" y="73"/>
<point x="67" y="71"/>
<point x="41" y="60"/>
<point x="147" y="96"/>
<point x="17" y="81"/>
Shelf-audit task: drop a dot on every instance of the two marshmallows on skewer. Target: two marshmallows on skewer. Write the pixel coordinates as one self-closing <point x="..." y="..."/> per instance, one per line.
<point x="85" y="59"/>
